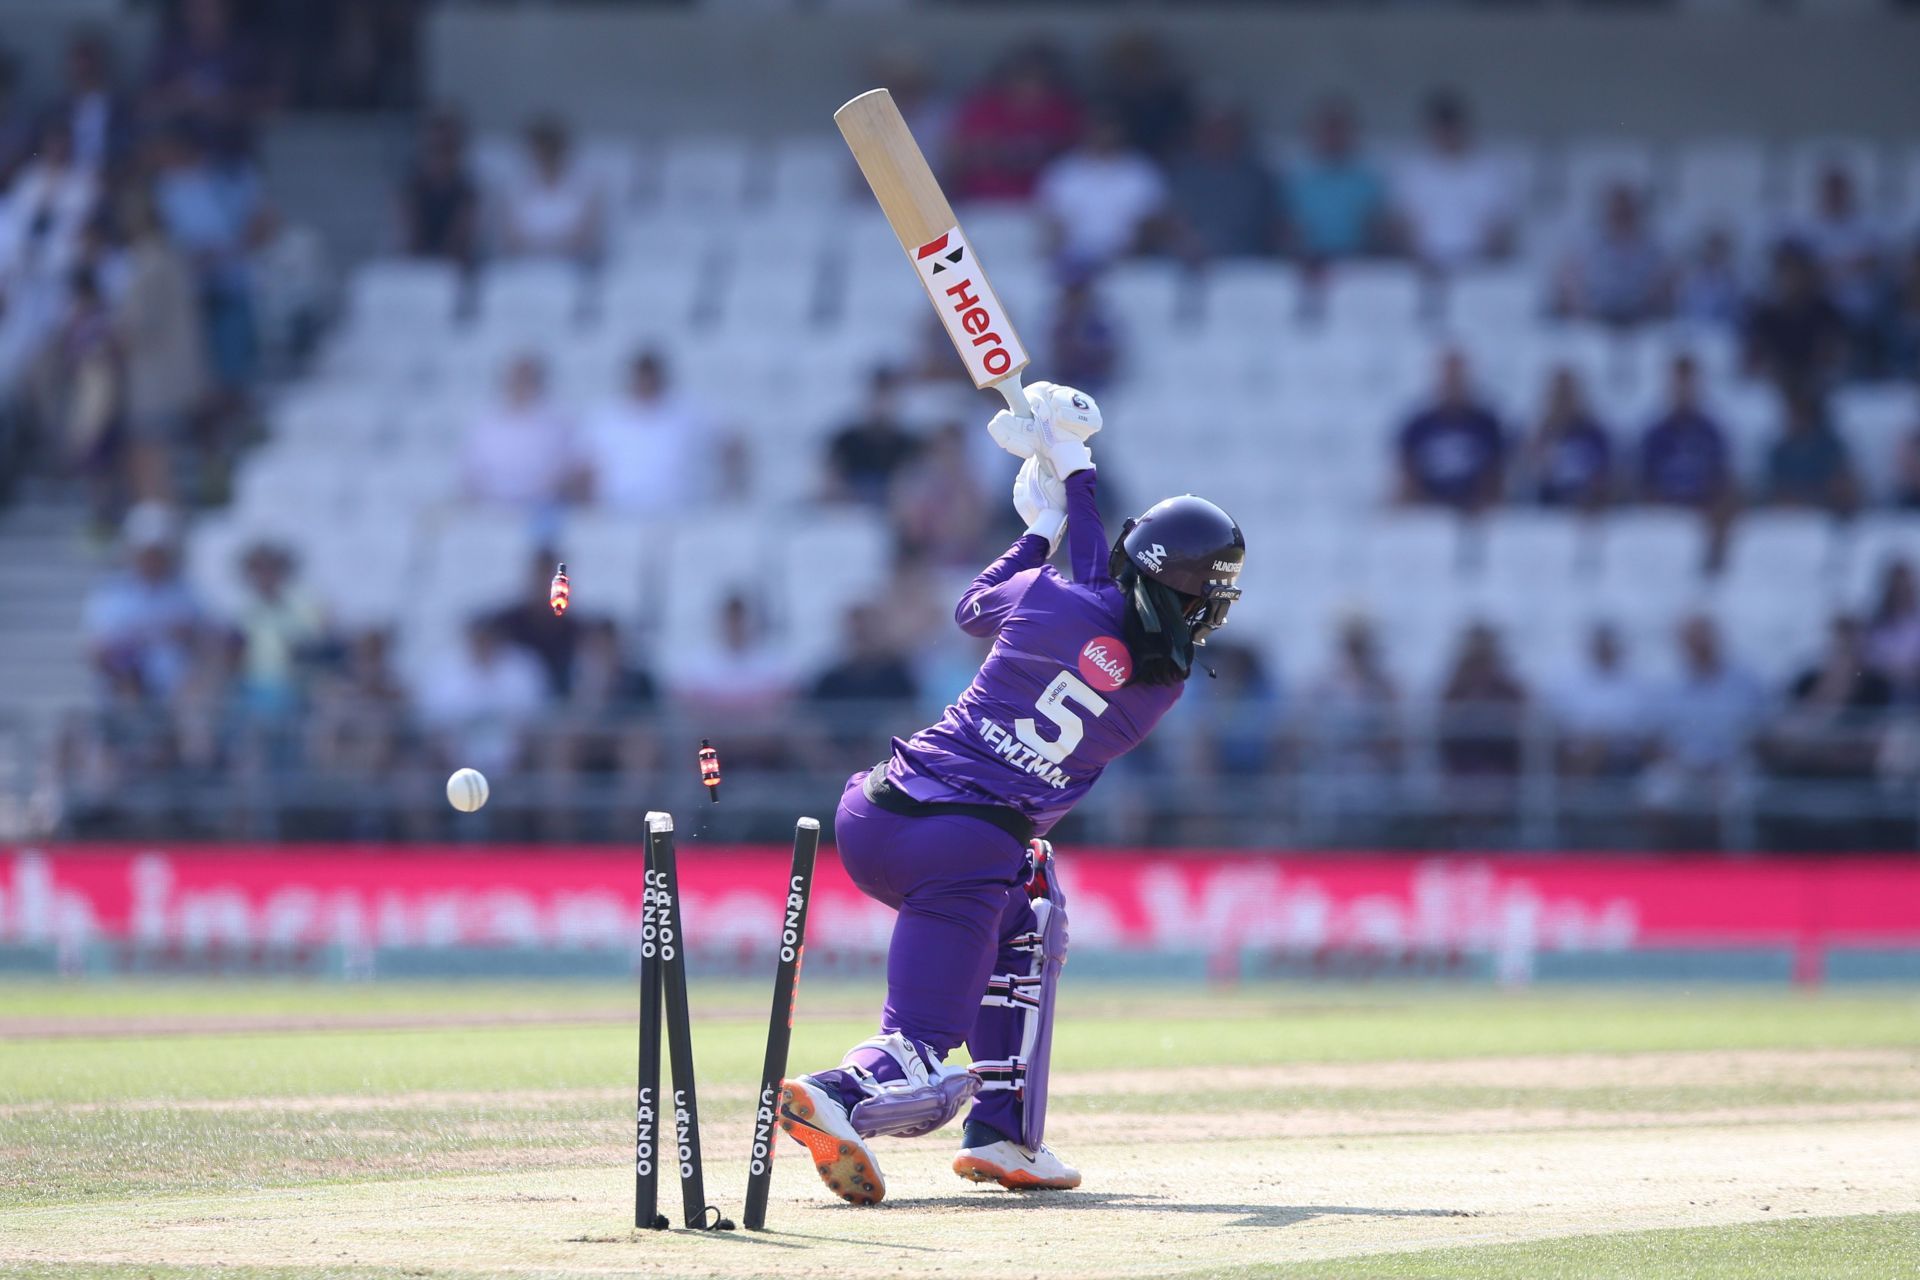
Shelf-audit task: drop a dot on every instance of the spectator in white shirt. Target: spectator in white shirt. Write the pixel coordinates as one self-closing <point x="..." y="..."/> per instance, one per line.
<point x="42" y="213"/>
<point x="142" y="623"/>
<point x="1602" y="711"/>
<point x="521" y="451"/>
<point x="552" y="206"/>
<point x="1618" y="273"/>
<point x="1100" y="199"/>
<point x="1707" y="287"/>
<point x="482" y="699"/>
<point x="99" y="119"/>
<point x="1456" y="202"/>
<point x="1851" y="248"/>
<point x="640" y="448"/>
<point x="1702" y="725"/>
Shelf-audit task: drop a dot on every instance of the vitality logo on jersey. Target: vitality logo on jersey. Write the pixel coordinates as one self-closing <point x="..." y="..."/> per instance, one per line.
<point x="1105" y="663"/>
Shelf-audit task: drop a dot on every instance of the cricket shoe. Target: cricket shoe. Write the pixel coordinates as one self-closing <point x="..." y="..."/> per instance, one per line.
<point x="1013" y="1166"/>
<point x="814" y="1116"/>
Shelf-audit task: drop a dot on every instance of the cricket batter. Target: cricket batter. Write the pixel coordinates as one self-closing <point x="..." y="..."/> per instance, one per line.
<point x="944" y="831"/>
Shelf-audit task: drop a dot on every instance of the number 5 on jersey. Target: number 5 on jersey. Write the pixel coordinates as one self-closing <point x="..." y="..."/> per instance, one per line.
<point x="1053" y="704"/>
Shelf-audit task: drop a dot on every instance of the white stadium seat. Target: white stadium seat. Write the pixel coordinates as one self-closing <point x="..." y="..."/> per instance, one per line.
<point x="1144" y="298"/>
<point x="1875" y="420"/>
<point x="810" y="173"/>
<point x="1877" y="539"/>
<point x="1720" y="183"/>
<point x="1250" y="296"/>
<point x="395" y="295"/>
<point x="1368" y="297"/>
<point x="531" y="297"/>
<point x="1493" y="300"/>
<point x="708" y="174"/>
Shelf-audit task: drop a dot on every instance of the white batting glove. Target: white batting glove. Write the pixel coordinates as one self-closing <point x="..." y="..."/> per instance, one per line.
<point x="1071" y="411"/>
<point x="1041" y="500"/>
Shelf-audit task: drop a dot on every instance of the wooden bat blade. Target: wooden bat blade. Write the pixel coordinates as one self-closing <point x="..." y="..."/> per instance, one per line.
<point x="922" y="220"/>
<point x="895" y="168"/>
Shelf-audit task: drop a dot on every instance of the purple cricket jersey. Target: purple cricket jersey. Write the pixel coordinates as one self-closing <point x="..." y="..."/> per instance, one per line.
<point x="1051" y="706"/>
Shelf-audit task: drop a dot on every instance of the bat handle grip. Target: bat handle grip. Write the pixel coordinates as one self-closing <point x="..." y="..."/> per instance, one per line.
<point x="1009" y="387"/>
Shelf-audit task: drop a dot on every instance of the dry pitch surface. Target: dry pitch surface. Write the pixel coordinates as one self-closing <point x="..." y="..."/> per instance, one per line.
<point x="418" y="1131"/>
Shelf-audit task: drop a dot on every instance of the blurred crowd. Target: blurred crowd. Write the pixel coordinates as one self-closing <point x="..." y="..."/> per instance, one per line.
<point x="146" y="277"/>
<point x="1119" y="160"/>
<point x="302" y="727"/>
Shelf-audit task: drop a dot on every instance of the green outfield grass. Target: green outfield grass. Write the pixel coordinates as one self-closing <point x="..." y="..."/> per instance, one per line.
<point x="171" y="1096"/>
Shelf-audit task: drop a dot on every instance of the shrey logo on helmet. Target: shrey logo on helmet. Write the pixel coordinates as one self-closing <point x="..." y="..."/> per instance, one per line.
<point x="1105" y="663"/>
<point x="1154" y="557"/>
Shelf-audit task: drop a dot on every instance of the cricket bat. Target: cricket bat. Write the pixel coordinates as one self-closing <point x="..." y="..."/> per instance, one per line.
<point x="921" y="218"/>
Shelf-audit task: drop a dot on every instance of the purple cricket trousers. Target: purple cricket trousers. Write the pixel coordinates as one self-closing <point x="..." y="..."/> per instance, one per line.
<point x="959" y="885"/>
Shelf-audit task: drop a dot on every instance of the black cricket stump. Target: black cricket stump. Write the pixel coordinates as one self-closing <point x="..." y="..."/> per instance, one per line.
<point x="646" y="1142"/>
<point x="786" y="982"/>
<point x="673" y="967"/>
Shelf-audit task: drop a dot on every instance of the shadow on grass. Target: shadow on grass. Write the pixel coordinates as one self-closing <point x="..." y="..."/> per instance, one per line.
<point x="1243" y="1215"/>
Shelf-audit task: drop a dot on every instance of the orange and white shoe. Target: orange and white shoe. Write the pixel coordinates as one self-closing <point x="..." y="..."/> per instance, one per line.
<point x="816" y="1119"/>
<point x="1016" y="1168"/>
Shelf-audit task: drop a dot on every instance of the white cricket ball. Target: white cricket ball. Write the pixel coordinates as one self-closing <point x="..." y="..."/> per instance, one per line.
<point x="467" y="790"/>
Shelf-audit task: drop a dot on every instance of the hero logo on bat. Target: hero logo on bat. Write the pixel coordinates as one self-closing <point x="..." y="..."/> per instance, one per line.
<point x="1105" y="663"/>
<point x="971" y="313"/>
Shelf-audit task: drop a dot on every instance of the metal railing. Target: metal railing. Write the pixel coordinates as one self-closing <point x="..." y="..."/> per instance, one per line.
<point x="1420" y="775"/>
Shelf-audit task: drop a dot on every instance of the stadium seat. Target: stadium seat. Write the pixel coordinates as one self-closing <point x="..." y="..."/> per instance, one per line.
<point x="1411" y="552"/>
<point x="1246" y="296"/>
<point x="398" y="294"/>
<point x="1789" y="554"/>
<point x="1904" y="191"/>
<point x="1721" y="182"/>
<point x="1368" y="297"/>
<point x="473" y="558"/>
<point x="708" y="174"/>
<point x="362" y="573"/>
<point x="1877" y="539"/>
<point x="827" y="562"/>
<point x="999" y="230"/>
<point x="773" y="297"/>
<point x="1145" y="298"/>
<point x="656" y="301"/>
<point x="616" y="162"/>
<point x="530" y="297"/>
<point x="1491" y="301"/>
<point x="1875" y="420"/>
<point x="1522" y="551"/>
<point x="811" y="172"/>
<point x="1651" y="560"/>
<point x="609" y="554"/>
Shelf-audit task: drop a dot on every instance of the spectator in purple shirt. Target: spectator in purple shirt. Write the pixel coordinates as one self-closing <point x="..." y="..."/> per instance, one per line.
<point x="1809" y="466"/>
<point x="1683" y="455"/>
<point x="1685" y="460"/>
<point x="207" y="75"/>
<point x="1570" y="458"/>
<point x="1453" y="453"/>
<point x="1794" y="333"/>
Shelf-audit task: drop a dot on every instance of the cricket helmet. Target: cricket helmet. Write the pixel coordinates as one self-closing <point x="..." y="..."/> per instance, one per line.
<point x="1191" y="547"/>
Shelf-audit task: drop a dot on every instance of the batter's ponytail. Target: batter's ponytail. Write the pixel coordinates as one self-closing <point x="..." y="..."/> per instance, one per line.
<point x="1157" y="635"/>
